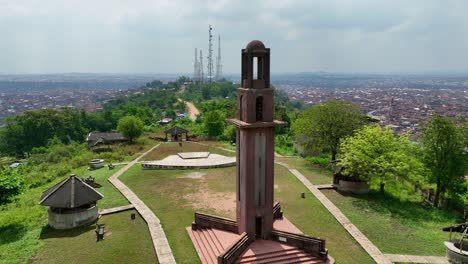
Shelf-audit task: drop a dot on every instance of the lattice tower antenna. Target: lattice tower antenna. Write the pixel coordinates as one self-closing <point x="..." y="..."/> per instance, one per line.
<point x="219" y="66"/>
<point x="195" y="66"/>
<point x="210" y="54"/>
<point x="200" y="68"/>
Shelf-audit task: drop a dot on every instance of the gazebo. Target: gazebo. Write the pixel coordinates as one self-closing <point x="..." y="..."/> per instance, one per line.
<point x="71" y="203"/>
<point x="177" y="133"/>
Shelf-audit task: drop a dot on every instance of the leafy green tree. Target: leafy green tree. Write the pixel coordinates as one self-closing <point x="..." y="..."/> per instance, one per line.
<point x="443" y="144"/>
<point x="213" y="123"/>
<point x="229" y="133"/>
<point x="324" y="125"/>
<point x="11" y="184"/>
<point x="376" y="154"/>
<point x="131" y="127"/>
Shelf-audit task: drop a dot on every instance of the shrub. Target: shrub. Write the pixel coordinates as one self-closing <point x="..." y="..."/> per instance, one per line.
<point x="11" y="184"/>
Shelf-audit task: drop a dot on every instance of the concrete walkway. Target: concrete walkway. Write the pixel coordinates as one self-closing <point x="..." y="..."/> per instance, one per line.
<point x="116" y="209"/>
<point x="365" y="243"/>
<point x="417" y="259"/>
<point x="160" y="243"/>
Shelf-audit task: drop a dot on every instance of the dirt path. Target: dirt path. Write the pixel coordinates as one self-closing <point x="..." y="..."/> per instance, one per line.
<point x="193" y="111"/>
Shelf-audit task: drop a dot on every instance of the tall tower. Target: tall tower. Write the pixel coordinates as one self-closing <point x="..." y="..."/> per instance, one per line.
<point x="255" y="130"/>
<point x="210" y="54"/>
<point x="200" y="66"/>
<point x="195" y="67"/>
<point x="219" y="66"/>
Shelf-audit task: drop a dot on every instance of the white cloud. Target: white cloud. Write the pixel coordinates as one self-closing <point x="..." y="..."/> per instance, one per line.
<point x="160" y="35"/>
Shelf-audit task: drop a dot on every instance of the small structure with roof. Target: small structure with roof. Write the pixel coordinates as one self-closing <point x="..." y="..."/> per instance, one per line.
<point x="177" y="134"/>
<point x="95" y="139"/>
<point x="165" y="121"/>
<point x="72" y="203"/>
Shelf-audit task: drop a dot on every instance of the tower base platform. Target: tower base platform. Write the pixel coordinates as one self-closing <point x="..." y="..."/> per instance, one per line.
<point x="217" y="243"/>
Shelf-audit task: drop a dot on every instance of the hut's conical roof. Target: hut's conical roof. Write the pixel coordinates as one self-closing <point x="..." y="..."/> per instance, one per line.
<point x="70" y="193"/>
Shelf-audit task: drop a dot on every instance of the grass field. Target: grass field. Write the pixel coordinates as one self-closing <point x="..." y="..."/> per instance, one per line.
<point x="314" y="173"/>
<point x="395" y="225"/>
<point x="125" y="241"/>
<point x="174" y="195"/>
<point x="112" y="196"/>
<point x="21" y="221"/>
<point x="172" y="148"/>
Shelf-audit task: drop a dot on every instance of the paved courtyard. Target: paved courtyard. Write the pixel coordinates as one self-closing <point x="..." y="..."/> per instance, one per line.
<point x="177" y="162"/>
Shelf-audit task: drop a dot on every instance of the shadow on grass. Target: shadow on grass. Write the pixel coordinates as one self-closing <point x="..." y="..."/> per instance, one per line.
<point x="49" y="232"/>
<point x="389" y="204"/>
<point x="11" y="233"/>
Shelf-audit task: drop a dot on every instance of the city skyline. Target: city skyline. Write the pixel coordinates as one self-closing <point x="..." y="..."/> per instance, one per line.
<point x="159" y="37"/>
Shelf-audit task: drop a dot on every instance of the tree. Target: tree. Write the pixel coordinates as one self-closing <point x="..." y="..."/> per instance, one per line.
<point x="326" y="124"/>
<point x="377" y="154"/>
<point x="213" y="123"/>
<point x="11" y="184"/>
<point x="322" y="126"/>
<point x="131" y="127"/>
<point x="443" y="144"/>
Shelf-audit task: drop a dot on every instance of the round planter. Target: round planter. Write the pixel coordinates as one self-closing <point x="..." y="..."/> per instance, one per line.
<point x="73" y="218"/>
<point x="453" y="252"/>
<point x="96" y="164"/>
<point x="353" y="187"/>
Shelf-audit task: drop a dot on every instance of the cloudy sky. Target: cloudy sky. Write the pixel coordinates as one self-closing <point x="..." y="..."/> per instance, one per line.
<point x="159" y="36"/>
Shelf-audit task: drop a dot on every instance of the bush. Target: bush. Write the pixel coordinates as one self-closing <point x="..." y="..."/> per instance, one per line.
<point x="323" y="160"/>
<point x="11" y="184"/>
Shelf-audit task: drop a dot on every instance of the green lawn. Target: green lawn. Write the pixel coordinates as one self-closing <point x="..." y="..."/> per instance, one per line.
<point x="112" y="196"/>
<point x="125" y="241"/>
<point x="174" y="197"/>
<point x="314" y="173"/>
<point x="21" y="221"/>
<point x="172" y="148"/>
<point x="394" y="225"/>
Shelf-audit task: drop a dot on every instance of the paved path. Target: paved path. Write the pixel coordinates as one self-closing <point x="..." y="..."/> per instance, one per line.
<point x="116" y="209"/>
<point x="368" y="246"/>
<point x="160" y="243"/>
<point x="417" y="259"/>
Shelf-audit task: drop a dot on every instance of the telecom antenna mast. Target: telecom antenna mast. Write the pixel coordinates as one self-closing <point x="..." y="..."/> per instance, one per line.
<point x="195" y="67"/>
<point x="219" y="66"/>
<point x="210" y="54"/>
<point x="200" y="67"/>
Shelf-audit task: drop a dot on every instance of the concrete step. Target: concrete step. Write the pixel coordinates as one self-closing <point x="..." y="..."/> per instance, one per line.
<point x="209" y="243"/>
<point x="281" y="257"/>
<point x="199" y="246"/>
<point x="281" y="252"/>
<point x="216" y="241"/>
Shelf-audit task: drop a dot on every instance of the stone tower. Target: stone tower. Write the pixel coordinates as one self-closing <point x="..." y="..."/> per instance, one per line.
<point x="255" y="145"/>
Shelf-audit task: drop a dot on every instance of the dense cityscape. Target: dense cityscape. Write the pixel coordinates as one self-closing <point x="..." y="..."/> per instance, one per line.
<point x="398" y="101"/>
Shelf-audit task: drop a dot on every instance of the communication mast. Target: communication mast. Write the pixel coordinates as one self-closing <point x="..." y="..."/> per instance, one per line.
<point x="200" y="68"/>
<point x="210" y="54"/>
<point x="195" y="67"/>
<point x="219" y="66"/>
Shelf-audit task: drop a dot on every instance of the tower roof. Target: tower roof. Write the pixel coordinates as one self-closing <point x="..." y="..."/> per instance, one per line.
<point x="72" y="192"/>
<point x="255" y="45"/>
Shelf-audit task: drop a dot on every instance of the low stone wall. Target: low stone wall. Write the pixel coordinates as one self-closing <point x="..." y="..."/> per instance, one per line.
<point x="72" y="219"/>
<point x="230" y="255"/>
<point x="311" y="245"/>
<point x="454" y="255"/>
<point x="353" y="187"/>
<point x="210" y="221"/>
